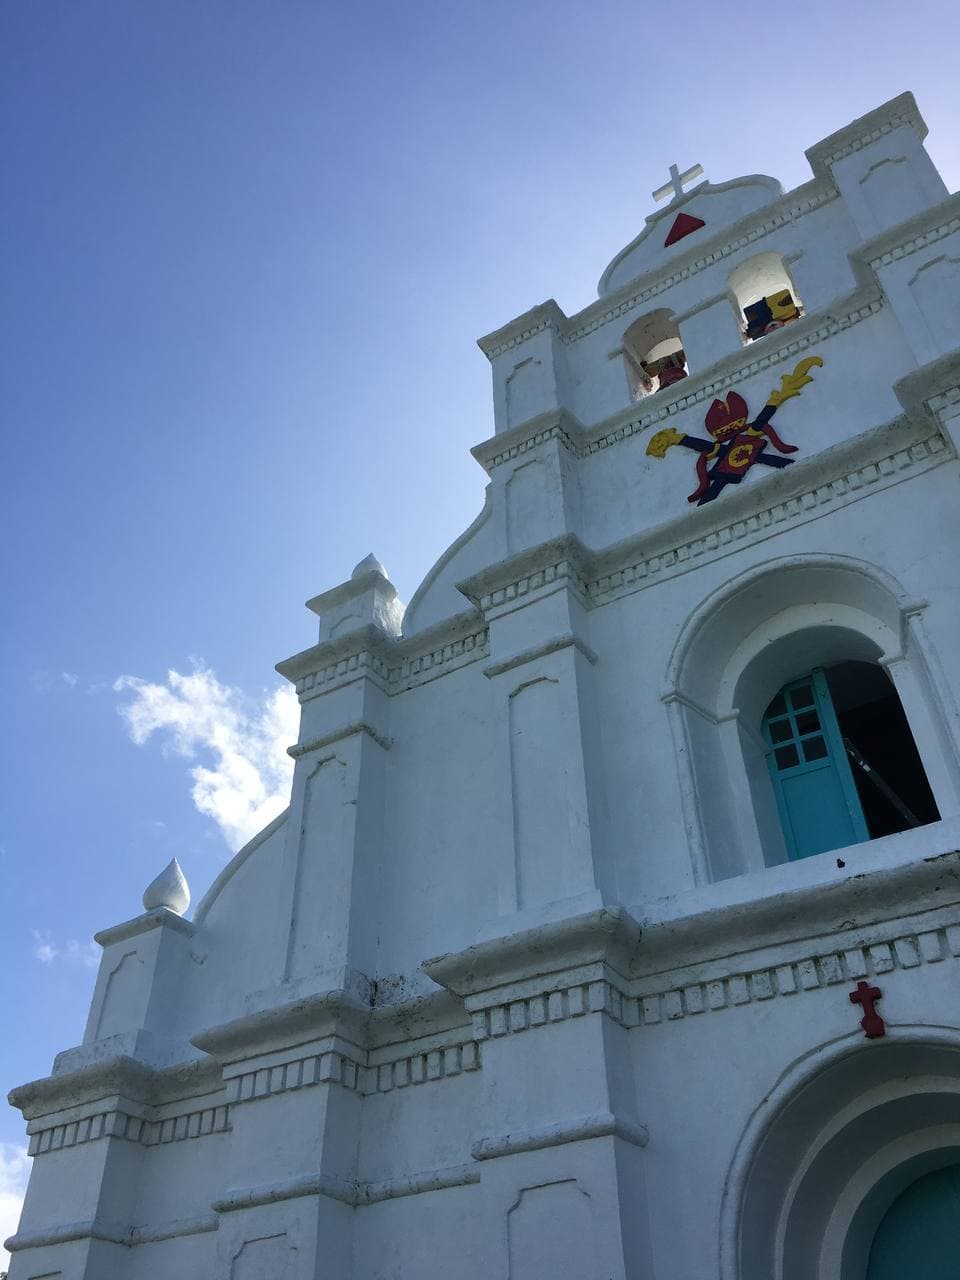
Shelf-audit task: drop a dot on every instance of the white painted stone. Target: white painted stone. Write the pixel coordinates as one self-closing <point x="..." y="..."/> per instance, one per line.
<point x="522" y="982"/>
<point x="170" y="890"/>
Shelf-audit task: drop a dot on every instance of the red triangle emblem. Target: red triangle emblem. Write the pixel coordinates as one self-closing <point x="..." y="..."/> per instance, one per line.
<point x="683" y="224"/>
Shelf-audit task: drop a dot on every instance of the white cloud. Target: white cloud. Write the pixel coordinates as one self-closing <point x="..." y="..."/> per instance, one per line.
<point x="14" y="1171"/>
<point x="49" y="952"/>
<point x="242" y="775"/>
<point x="69" y="678"/>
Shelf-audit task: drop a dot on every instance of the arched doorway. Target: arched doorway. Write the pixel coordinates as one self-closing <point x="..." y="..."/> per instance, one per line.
<point x="829" y="1153"/>
<point x="920" y="1233"/>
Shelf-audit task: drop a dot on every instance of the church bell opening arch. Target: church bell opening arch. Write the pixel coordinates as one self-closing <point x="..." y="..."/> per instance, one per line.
<point x="738" y="651"/>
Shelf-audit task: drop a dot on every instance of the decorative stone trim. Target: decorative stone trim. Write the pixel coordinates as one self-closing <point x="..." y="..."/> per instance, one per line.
<point x="800" y="508"/>
<point x="421" y="667"/>
<point x="919" y="241"/>
<point x="120" y="1124"/>
<point x="357" y="665"/>
<point x="568" y="641"/>
<point x="490" y="456"/>
<point x="812" y="330"/>
<point x="463" y="1175"/>
<point x="562" y="572"/>
<point x="729" y="241"/>
<point x="354" y="1193"/>
<point x="347" y="731"/>
<point x="174" y="1230"/>
<point x="312" y="1184"/>
<point x="790" y="345"/>
<point x="945" y="400"/>
<point x="404" y="673"/>
<point x="870" y="128"/>
<point x="630" y="1007"/>
<point x="664" y="558"/>
<point x="599" y="996"/>
<point x="324" y="1068"/>
<point x="547" y="315"/>
<point x="338" y="1068"/>
<point x="602" y="1125"/>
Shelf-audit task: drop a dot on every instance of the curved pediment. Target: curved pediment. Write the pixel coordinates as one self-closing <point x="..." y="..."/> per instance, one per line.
<point x="696" y="217"/>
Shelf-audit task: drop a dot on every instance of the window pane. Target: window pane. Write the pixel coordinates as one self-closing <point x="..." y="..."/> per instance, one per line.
<point x="814" y="748"/>
<point x="808" y="722"/>
<point x="780" y="730"/>
<point x="786" y="757"/>
<point x="802" y="696"/>
<point x="778" y="707"/>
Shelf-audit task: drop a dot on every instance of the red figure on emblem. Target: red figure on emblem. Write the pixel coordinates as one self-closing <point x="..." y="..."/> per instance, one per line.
<point x="735" y="444"/>
<point x="872" y="1023"/>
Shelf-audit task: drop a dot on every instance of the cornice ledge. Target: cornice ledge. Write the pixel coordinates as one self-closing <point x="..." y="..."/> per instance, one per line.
<point x="337" y="735"/>
<point x="438" y="634"/>
<point x="119" y="1076"/>
<point x="393" y="654"/>
<point x="926" y="227"/>
<point x="365" y="639"/>
<point x="610" y="936"/>
<point x="159" y="918"/>
<point x="557" y="424"/>
<point x="311" y="1184"/>
<point x="817" y="910"/>
<point x="543" y="650"/>
<point x="90" y="1229"/>
<point x="547" y="315"/>
<point x="866" y="129"/>
<point x="603" y="1124"/>
<point x="565" y="549"/>
<point x="930" y="388"/>
<point x="749" y="501"/>
<point x="328" y="1013"/>
<point x="408" y="1021"/>
<point x="372" y="579"/>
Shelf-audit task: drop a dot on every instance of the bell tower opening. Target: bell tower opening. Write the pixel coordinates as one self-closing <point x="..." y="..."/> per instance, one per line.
<point x="653" y="354"/>
<point x="765" y="296"/>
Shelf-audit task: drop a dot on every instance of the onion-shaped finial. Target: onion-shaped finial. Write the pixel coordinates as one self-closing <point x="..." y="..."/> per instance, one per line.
<point x="366" y="565"/>
<point x="170" y="890"/>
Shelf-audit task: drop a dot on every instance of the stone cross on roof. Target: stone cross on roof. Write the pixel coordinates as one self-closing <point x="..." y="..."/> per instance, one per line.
<point x="677" y="179"/>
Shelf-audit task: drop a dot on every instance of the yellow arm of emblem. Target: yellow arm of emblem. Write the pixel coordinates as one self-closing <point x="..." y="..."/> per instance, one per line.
<point x="663" y="441"/>
<point x="791" y="383"/>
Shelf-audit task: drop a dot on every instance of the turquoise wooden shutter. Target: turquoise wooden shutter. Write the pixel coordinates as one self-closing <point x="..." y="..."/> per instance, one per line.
<point x="816" y="795"/>
<point x="919" y="1238"/>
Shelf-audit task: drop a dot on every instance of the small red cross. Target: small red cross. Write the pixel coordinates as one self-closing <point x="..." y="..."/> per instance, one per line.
<point x="872" y="1023"/>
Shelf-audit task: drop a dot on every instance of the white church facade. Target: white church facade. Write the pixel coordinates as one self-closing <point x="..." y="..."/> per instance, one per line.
<point x="613" y="928"/>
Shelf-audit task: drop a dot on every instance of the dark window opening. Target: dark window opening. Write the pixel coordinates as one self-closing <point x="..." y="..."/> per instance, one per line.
<point x="887" y="771"/>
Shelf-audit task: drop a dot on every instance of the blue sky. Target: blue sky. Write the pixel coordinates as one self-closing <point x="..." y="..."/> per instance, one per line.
<point x="247" y="248"/>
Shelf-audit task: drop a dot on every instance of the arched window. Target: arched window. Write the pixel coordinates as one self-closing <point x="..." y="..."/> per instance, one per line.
<point x="796" y="657"/>
<point x="842" y="760"/>
<point x="764" y="294"/>
<point x="653" y="354"/>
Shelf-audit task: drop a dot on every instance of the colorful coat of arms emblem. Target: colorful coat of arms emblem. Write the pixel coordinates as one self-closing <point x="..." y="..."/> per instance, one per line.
<point x="735" y="444"/>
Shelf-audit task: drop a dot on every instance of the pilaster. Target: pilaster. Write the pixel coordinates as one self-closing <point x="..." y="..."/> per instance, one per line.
<point x="329" y="883"/>
<point x="541" y="666"/>
<point x="880" y="167"/>
<point x="562" y="1167"/>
